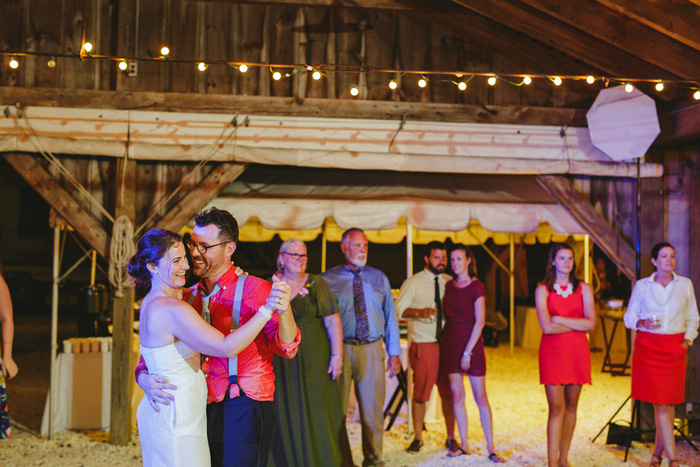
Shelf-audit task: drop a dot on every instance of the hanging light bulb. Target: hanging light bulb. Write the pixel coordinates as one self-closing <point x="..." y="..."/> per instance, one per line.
<point x="164" y="51"/>
<point x="201" y="66"/>
<point x="659" y="87"/>
<point x="51" y="63"/>
<point x="277" y="76"/>
<point x="87" y="47"/>
<point x="556" y="81"/>
<point x="696" y="95"/>
<point x="354" y="91"/>
<point x="462" y="86"/>
<point x="123" y="65"/>
<point x="393" y="85"/>
<point x="491" y="81"/>
<point x="590" y="80"/>
<point x="422" y="83"/>
<point x="14" y="64"/>
<point x="243" y="68"/>
<point x="629" y="87"/>
<point x="316" y="75"/>
<point x="527" y="80"/>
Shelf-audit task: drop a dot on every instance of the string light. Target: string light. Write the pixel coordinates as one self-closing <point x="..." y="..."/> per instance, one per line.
<point x="696" y="96"/>
<point x="629" y="87"/>
<point x="659" y="87"/>
<point x="492" y="81"/>
<point x="123" y="65"/>
<point x="527" y="80"/>
<point x="462" y="86"/>
<point x="164" y="51"/>
<point x="277" y="76"/>
<point x="243" y="68"/>
<point x="393" y="85"/>
<point x="316" y="75"/>
<point x="201" y="66"/>
<point x="354" y="91"/>
<point x="422" y="83"/>
<point x="87" y="47"/>
<point x="590" y="79"/>
<point x="14" y="64"/>
<point x="556" y="80"/>
<point x="51" y="63"/>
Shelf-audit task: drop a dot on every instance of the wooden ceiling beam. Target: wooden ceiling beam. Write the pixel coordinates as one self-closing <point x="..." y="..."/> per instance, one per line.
<point x="669" y="17"/>
<point x="623" y="32"/>
<point x="59" y="199"/>
<point x="603" y="234"/>
<point x="557" y="34"/>
<point x="286" y="106"/>
<point x="199" y="196"/>
<point x="396" y="5"/>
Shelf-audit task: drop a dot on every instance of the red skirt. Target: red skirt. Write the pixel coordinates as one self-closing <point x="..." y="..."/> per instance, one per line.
<point x="658" y="368"/>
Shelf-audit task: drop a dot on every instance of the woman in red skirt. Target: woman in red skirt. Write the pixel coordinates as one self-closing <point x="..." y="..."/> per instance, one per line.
<point x="566" y="312"/>
<point x="664" y="312"/>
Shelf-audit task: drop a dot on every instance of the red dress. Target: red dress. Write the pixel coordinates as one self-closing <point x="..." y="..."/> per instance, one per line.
<point x="565" y="358"/>
<point x="458" y="306"/>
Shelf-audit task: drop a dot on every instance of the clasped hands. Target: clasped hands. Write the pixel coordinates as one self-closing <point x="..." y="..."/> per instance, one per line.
<point x="279" y="296"/>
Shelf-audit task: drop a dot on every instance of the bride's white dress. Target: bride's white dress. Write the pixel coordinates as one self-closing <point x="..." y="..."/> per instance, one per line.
<point x="177" y="435"/>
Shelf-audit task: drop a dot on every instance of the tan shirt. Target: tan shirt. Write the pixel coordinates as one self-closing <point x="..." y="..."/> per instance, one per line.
<point x="418" y="291"/>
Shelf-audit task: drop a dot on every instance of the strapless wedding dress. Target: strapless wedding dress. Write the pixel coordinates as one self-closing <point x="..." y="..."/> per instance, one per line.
<point x="177" y="435"/>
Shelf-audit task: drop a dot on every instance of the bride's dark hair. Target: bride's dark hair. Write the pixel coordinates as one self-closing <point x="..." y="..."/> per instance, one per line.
<point x="151" y="248"/>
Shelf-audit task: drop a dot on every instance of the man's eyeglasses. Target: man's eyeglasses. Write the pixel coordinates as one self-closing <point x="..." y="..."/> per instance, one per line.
<point x="201" y="247"/>
<point x="296" y="256"/>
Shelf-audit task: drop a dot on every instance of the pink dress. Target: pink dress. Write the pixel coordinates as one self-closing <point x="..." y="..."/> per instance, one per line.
<point x="565" y="358"/>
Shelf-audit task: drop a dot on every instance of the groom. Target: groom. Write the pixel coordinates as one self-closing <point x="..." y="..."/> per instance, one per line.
<point x="240" y="415"/>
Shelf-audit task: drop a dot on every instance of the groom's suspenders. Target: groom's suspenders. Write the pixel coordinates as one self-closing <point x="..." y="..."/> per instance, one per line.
<point x="235" y="318"/>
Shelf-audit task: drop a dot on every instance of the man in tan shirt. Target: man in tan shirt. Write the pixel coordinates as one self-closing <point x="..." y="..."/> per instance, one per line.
<point x="419" y="301"/>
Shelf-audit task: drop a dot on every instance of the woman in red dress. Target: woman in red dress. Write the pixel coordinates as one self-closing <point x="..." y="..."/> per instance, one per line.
<point x="664" y="312"/>
<point x="565" y="311"/>
<point x="462" y="349"/>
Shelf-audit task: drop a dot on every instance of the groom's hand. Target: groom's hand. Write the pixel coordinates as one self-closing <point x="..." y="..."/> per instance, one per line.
<point x="153" y="386"/>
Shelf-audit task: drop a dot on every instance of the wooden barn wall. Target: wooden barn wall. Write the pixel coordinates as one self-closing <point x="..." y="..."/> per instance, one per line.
<point x="197" y="30"/>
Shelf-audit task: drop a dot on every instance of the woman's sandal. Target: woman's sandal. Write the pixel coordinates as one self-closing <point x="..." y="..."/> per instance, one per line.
<point x="655" y="461"/>
<point x="493" y="457"/>
<point x="459" y="452"/>
<point x="673" y="463"/>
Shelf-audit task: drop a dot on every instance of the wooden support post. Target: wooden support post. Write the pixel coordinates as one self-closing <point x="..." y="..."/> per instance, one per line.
<point x="122" y="320"/>
<point x="511" y="284"/>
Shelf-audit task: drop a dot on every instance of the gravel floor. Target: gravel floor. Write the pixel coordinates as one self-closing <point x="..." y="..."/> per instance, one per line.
<point x="519" y="410"/>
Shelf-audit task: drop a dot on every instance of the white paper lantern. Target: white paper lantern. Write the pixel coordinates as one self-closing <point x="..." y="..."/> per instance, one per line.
<point x="623" y="124"/>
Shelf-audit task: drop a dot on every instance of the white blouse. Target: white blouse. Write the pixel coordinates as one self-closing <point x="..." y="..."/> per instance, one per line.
<point x="674" y="306"/>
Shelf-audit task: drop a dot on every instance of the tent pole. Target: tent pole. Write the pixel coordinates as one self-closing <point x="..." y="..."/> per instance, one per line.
<point x="54" y="325"/>
<point x="323" y="247"/>
<point x="511" y="276"/>
<point x="409" y="273"/>
<point x="92" y="269"/>
<point x="587" y="259"/>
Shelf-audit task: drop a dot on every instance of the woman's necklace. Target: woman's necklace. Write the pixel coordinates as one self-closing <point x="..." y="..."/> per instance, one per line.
<point x="563" y="292"/>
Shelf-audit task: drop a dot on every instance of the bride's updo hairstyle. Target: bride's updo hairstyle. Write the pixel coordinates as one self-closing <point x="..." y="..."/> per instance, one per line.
<point x="151" y="248"/>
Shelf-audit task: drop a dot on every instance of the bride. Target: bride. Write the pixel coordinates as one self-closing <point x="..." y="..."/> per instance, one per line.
<point x="172" y="336"/>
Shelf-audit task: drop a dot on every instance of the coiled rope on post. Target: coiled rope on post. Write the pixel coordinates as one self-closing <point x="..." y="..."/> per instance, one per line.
<point x="121" y="249"/>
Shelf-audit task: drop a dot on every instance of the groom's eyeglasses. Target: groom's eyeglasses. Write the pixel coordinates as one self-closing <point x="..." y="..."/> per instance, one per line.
<point x="201" y="247"/>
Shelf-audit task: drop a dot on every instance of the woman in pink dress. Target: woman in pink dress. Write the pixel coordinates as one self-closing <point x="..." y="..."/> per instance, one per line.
<point x="462" y="349"/>
<point x="566" y="311"/>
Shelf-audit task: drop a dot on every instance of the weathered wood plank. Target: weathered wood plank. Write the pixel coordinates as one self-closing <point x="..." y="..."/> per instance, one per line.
<point x="625" y="33"/>
<point x="605" y="236"/>
<point x="183" y="102"/>
<point x="122" y="320"/>
<point x="584" y="46"/>
<point x="199" y="195"/>
<point x="679" y="124"/>
<point x="44" y="184"/>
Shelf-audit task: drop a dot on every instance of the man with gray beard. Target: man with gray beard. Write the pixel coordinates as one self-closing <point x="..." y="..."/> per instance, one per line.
<point x="368" y="316"/>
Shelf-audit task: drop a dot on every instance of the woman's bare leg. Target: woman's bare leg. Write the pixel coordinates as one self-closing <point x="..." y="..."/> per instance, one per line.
<point x="572" y="392"/>
<point x="555" y="419"/>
